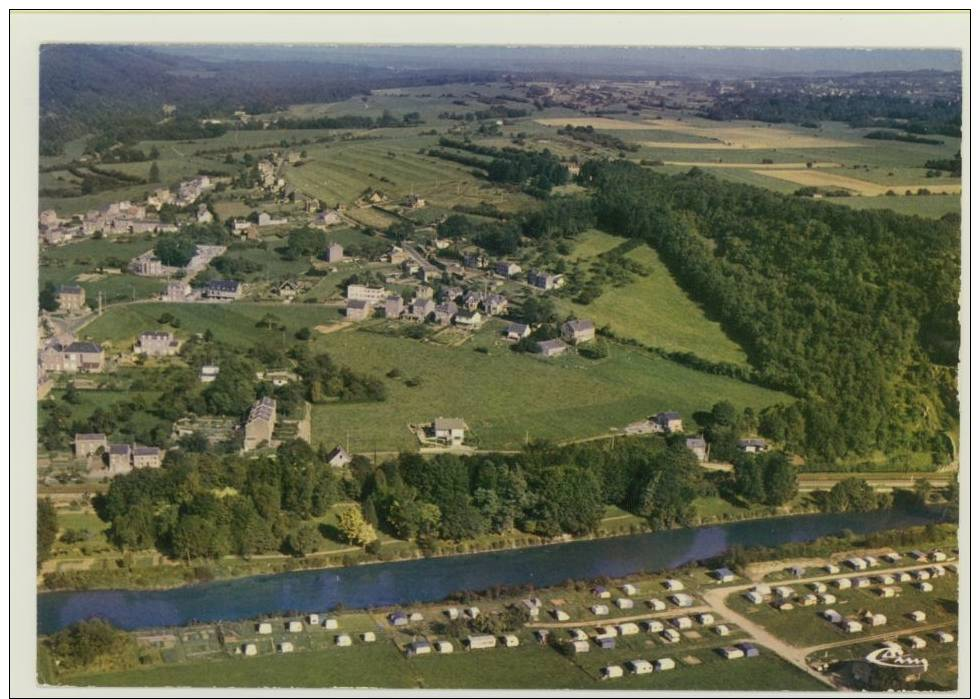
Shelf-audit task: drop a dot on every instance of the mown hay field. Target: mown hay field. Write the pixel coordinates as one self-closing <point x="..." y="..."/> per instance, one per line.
<point x="811" y="178"/>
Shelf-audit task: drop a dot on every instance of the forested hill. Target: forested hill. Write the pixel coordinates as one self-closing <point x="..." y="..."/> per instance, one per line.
<point x="121" y="89"/>
<point x="855" y="312"/>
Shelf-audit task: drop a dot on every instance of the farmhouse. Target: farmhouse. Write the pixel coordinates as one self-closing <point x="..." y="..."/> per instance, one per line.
<point x="700" y="449"/>
<point x="422" y="308"/>
<point x="327" y="218"/>
<point x="551" y="348"/>
<point x="451" y="431"/>
<point x="578" y="331"/>
<point x="147" y="457"/>
<point x="156" y="344"/>
<point x="669" y="421"/>
<point x="260" y="424"/>
<point x="148" y="265"/>
<point x="494" y="304"/>
<point x="338" y="457"/>
<point x="752" y="446"/>
<point x="87" y="444"/>
<point x="544" y="280"/>
<point x="358" y="310"/>
<point x="753" y="597"/>
<point x="71" y="298"/>
<point x="467" y="318"/>
<point x="517" y="331"/>
<point x="223" y="290"/>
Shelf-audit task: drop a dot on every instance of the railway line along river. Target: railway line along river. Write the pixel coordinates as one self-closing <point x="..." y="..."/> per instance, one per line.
<point x="432" y="579"/>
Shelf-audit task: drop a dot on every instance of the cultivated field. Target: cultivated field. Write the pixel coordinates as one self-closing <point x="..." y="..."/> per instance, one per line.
<point x="809" y="178"/>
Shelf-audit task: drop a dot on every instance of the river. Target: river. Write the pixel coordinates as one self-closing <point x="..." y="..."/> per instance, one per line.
<point x="429" y="580"/>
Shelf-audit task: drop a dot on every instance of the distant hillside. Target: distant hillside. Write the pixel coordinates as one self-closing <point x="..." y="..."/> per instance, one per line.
<point x="96" y="88"/>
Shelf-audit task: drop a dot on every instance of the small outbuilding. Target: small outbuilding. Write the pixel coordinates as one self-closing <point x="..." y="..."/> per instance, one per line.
<point x="313" y="619"/>
<point x="263" y="628"/>
<point x="284" y="647"/>
<point x="663" y="664"/>
<point x="294" y="626"/>
<point x="731" y="653"/>
<point x="629" y="590"/>
<point x="639" y="667"/>
<point x="481" y="641"/>
<point x="580" y="646"/>
<point x="749" y="649"/>
<point x="624" y="603"/>
<point x="509" y="641"/>
<point x="628" y="629"/>
<point x="599" y="609"/>
<point x="250" y="649"/>
<point x="723" y="630"/>
<point x="917" y="615"/>
<point x="670" y="635"/>
<point x="943" y="636"/>
<point x="561" y="615"/>
<point x="368" y="637"/>
<point x="723" y="575"/>
<point x="682" y="622"/>
<point x="444" y="647"/>
<point x="915" y="642"/>
<point x="416" y="648"/>
<point x="611" y="672"/>
<point x="343" y="640"/>
<point x="656" y="605"/>
<point x="330" y="623"/>
<point x="673" y="585"/>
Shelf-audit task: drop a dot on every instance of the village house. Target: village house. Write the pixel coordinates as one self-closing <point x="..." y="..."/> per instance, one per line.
<point x="176" y="292"/>
<point x="396" y="256"/>
<point x="156" y="344"/>
<point x="445" y="312"/>
<point x="338" y="457"/>
<point x="578" y="331"/>
<point x="413" y="201"/>
<point x="71" y="298"/>
<point x="752" y="446"/>
<point x="517" y="331"/>
<point x="260" y="424"/>
<point x="669" y="422"/>
<point x="422" y="309"/>
<point x="506" y="269"/>
<point x="551" y="348"/>
<point x="545" y="280"/>
<point x="147" y="457"/>
<point x="471" y="301"/>
<point x="494" y="304"/>
<point x="698" y="446"/>
<point x="424" y="292"/>
<point x="204" y="214"/>
<point x="723" y="575"/>
<point x="120" y="459"/>
<point x="470" y="319"/>
<point x="223" y="290"/>
<point x="327" y="218"/>
<point x="451" y="431"/>
<point x="371" y="294"/>
<point x="335" y="253"/>
<point x="148" y="265"/>
<point x="394" y="306"/>
<point x="78" y="356"/>
<point x="90" y="443"/>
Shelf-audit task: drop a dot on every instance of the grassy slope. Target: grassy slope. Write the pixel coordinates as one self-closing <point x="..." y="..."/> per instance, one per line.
<point x="654" y="310"/>
<point x="503" y="395"/>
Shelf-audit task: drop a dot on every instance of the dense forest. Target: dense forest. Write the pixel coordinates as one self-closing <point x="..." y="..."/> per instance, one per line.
<point x="854" y="312"/>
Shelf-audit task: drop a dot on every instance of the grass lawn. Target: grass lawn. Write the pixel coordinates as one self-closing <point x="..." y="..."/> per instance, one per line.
<point x="653" y="309"/>
<point x="505" y="396"/>
<point x="63" y="265"/>
<point x="231" y="323"/>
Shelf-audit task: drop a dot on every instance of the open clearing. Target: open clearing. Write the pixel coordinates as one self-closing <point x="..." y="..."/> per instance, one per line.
<point x="597" y="123"/>
<point x="506" y="397"/>
<point x="655" y="311"/>
<point x="809" y="178"/>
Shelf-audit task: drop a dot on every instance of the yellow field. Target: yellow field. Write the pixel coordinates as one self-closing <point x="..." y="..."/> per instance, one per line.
<point x="809" y="178"/>
<point x="751" y="166"/>
<point x="597" y="123"/>
<point x="766" y="137"/>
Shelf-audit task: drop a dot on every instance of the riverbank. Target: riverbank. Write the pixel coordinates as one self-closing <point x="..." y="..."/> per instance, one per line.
<point x="129" y="571"/>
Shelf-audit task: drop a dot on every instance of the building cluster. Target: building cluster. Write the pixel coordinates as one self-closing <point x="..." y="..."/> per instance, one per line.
<point x="149" y="265"/>
<point x="118" y="459"/>
<point x="65" y="354"/>
<point x="454" y="306"/>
